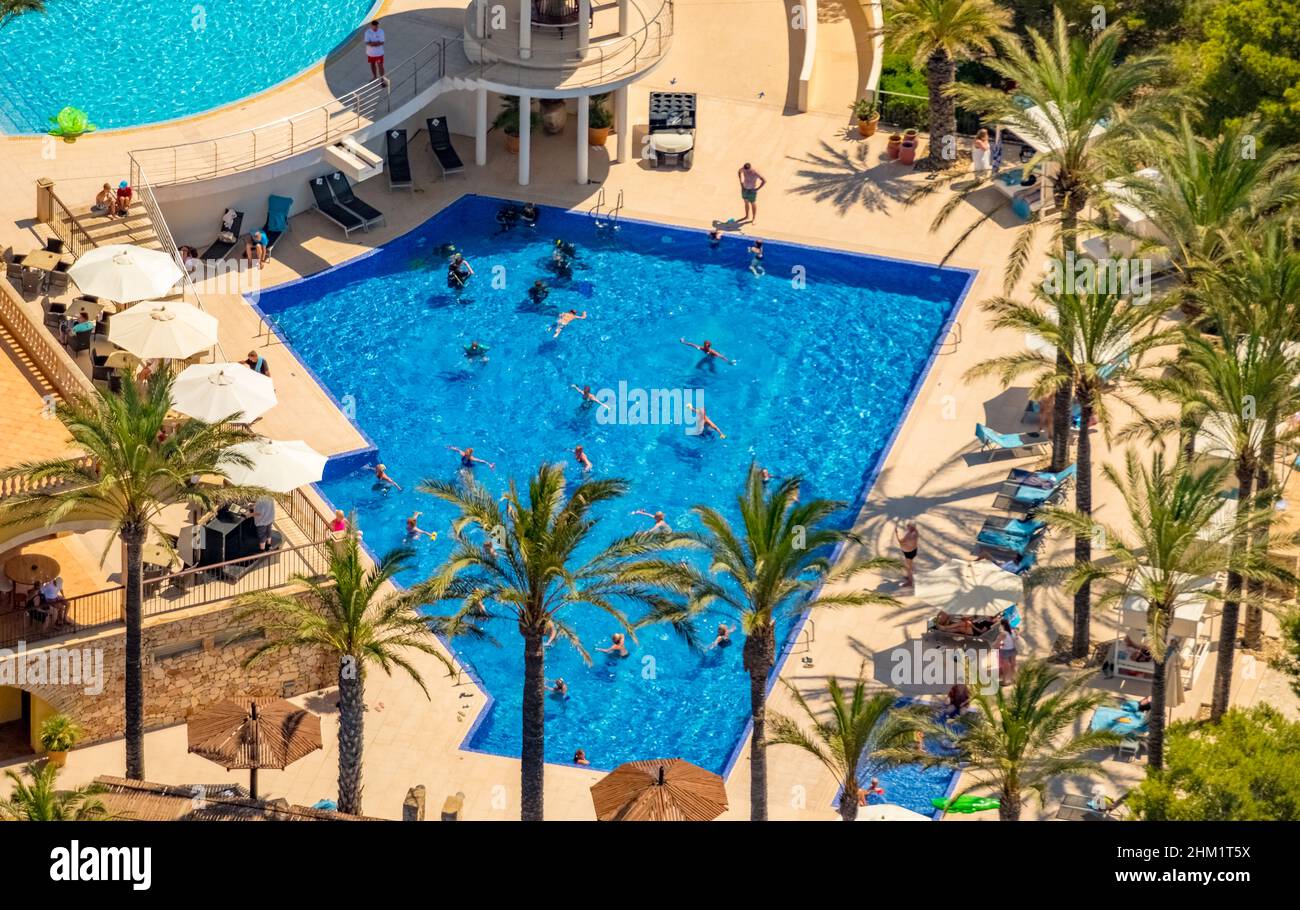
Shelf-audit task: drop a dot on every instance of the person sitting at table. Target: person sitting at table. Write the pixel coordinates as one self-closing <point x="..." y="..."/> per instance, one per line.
<point x="52" y="596"/>
<point x="83" y="324"/>
<point x="38" y="610"/>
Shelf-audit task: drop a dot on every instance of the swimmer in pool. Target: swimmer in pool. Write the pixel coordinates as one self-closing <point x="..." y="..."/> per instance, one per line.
<point x="704" y="422"/>
<point x="560" y="689"/>
<point x="708" y="350"/>
<point x="551" y="632"/>
<point x="564" y="319"/>
<point x="660" y="525"/>
<point x="476" y="351"/>
<point x="589" y="397"/>
<point x="414" y="531"/>
<point x="529" y="214"/>
<point x="766" y="475"/>
<point x="756" y="262"/>
<point x="715" y="238"/>
<point x="459" y="271"/>
<point x="538" y="292"/>
<point x="724" y="636"/>
<point x="616" y="646"/>
<point x="580" y="757"/>
<point x="566" y="249"/>
<point x="468" y="459"/>
<point x="383" y="480"/>
<point x="581" y="458"/>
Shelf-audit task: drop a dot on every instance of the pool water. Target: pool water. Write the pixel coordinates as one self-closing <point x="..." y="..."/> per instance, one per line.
<point x="824" y="369"/>
<point x="132" y="62"/>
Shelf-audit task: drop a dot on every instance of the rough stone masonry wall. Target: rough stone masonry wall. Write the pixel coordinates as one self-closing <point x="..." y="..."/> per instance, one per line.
<point x="191" y="662"/>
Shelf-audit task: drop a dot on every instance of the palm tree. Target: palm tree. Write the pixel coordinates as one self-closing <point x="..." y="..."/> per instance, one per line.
<point x="778" y="567"/>
<point x="12" y="9"/>
<point x="1175" y="546"/>
<point x="1099" y="337"/>
<point x="940" y="33"/>
<point x="531" y="577"/>
<point x="128" y="479"/>
<point x="861" y="726"/>
<point x="355" y="613"/>
<point x="1017" y="741"/>
<point x="41" y="801"/>
<point x="1072" y="85"/>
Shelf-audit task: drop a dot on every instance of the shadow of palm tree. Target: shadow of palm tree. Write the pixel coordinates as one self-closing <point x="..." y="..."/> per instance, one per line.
<point x="847" y="179"/>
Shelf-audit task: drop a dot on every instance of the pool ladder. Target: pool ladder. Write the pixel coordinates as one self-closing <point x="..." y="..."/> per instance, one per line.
<point x="611" y="216"/>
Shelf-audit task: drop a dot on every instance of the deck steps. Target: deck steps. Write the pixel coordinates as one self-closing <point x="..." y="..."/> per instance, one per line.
<point x="136" y="228"/>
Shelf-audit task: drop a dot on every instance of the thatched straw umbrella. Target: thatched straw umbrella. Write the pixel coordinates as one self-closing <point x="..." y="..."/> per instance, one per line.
<point x="254" y="733"/>
<point x="660" y="790"/>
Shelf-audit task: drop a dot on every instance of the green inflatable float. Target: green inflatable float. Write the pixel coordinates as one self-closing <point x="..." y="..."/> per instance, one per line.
<point x="70" y="124"/>
<point x="966" y="804"/>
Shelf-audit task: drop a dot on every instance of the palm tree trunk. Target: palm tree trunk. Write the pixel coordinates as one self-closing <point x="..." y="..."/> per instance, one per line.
<point x="352" y="718"/>
<point x="133" y="537"/>
<point x="849" y="801"/>
<point x="759" y="657"/>
<point x="1009" y="803"/>
<point x="1231" y="602"/>
<point x="1156" y="715"/>
<point x="1083" y="542"/>
<point x="1253" y="633"/>
<point x="532" y="758"/>
<point x="940" y="72"/>
<point x="1070" y="208"/>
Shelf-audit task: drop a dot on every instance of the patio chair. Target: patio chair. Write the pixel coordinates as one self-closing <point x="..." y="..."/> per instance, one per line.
<point x="219" y="248"/>
<point x="1024" y="492"/>
<point x="399" y="161"/>
<point x="1015" y="561"/>
<point x="992" y="441"/>
<point x="1014" y="539"/>
<point x="326" y="205"/>
<point x="57" y="277"/>
<point x="341" y="187"/>
<point x="81" y="341"/>
<point x="54" y="245"/>
<point x="14" y="264"/>
<point x="33" y="281"/>
<point x="443" y="150"/>
<point x="55" y="314"/>
<point x="277" y="220"/>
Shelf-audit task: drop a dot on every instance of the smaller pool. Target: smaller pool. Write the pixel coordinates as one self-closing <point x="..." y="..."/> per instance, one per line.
<point x="910" y="786"/>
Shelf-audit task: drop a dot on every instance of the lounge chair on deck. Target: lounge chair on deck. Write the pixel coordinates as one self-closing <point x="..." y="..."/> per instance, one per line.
<point x="341" y="187"/>
<point x="220" y="249"/>
<point x="399" y="162"/>
<point x="277" y="220"/>
<point x="443" y="150"/>
<point x="326" y="205"/>
<point x="1076" y="807"/>
<point x="1025" y="491"/>
<point x="992" y="441"/>
<point x="1012" y="534"/>
<point x="1017" y="562"/>
<point x="964" y="631"/>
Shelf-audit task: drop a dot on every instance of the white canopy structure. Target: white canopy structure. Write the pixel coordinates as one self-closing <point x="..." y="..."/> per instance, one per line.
<point x="962" y="586"/>
<point x="214" y="391"/>
<point x="277" y="466"/>
<point x="156" y="329"/>
<point x="125" y="273"/>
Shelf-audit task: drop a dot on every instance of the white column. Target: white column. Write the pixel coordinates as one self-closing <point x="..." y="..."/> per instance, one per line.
<point x="622" y="125"/>
<point x="480" y="127"/>
<point x="525" y="133"/>
<point x="584" y="118"/>
<point x="525" y="29"/>
<point x="480" y="19"/>
<point x="584" y="26"/>
<point x="623" y="15"/>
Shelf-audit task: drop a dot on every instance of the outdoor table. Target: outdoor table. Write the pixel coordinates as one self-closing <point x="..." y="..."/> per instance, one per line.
<point x="155" y="554"/>
<point x="31" y="568"/>
<point x="42" y="259"/>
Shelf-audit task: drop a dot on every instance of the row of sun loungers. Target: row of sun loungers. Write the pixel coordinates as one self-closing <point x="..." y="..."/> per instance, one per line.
<point x="337" y="202"/>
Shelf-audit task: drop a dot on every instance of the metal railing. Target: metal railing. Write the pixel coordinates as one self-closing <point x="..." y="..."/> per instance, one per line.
<point x="68" y="228"/>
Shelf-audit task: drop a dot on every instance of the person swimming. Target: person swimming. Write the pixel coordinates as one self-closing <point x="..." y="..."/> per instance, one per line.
<point x="561" y="265"/>
<point x="566" y="249"/>
<point x="709" y="352"/>
<point x="413" y="529"/>
<point x="459" y="271"/>
<point x="559" y="690"/>
<point x="529" y="214"/>
<point x="507" y="217"/>
<point x="723" y="638"/>
<point x="565" y="318"/>
<point x="468" y="459"/>
<point x="382" y="480"/>
<point x="538" y="292"/>
<point x="581" y="458"/>
<point x="589" y="398"/>
<point x="704" y="422"/>
<point x="756" y="260"/>
<point x="616" y="646"/>
<point x="476" y="351"/>
<point x="659" y="524"/>
<point x="580" y="757"/>
<point x="715" y="238"/>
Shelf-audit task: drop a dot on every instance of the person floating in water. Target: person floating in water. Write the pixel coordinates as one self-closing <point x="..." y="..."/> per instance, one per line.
<point x="382" y="480"/>
<point x="538" y="292"/>
<point x="616" y="646"/>
<point x="414" y="531"/>
<point x="507" y="216"/>
<point x="589" y="397"/>
<point x="529" y="214"/>
<point x="723" y="638"/>
<point x="459" y="271"/>
<point x="704" y="422"/>
<point x="660" y="525"/>
<point x="559" y="690"/>
<point x="561" y="264"/>
<point x="565" y="318"/>
<point x="566" y="249"/>
<point x="468" y="459"/>
<point x="715" y="238"/>
<point x="756" y="260"/>
<point x="708" y="350"/>
<point x="580" y="757"/>
<point x="581" y="458"/>
<point x="476" y="351"/>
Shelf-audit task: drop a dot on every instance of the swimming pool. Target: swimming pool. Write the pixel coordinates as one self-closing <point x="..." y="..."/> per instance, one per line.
<point x="132" y="62"/>
<point x="828" y="348"/>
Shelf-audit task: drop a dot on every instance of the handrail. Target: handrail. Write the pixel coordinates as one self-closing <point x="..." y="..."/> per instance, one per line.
<point x="55" y="365"/>
<point x="68" y="227"/>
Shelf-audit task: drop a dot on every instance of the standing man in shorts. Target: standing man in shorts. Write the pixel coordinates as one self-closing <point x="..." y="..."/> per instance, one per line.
<point x="375" y="49"/>
<point x="751" y="181"/>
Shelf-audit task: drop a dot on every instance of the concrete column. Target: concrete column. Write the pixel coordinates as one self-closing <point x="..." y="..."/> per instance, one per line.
<point x="525" y="135"/>
<point x="624" y="13"/>
<point x="584" y="26"/>
<point x="584" y="118"/>
<point x="525" y="29"/>
<point x="622" y="125"/>
<point x="480" y="127"/>
<point x="481" y="19"/>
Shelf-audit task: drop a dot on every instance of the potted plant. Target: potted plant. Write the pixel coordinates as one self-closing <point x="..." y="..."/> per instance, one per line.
<point x="554" y="115"/>
<point x="59" y="733"/>
<point x="508" y="122"/>
<point x="599" y="120"/>
<point x="907" y="151"/>
<point x="868" y="116"/>
<point x="895" y="141"/>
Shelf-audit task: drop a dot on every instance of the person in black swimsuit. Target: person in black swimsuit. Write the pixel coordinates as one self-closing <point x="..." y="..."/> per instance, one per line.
<point x="909" y="540"/>
<point x="468" y="459"/>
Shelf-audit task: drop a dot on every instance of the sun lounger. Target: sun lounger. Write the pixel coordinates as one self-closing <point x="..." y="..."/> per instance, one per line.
<point x="277" y="220"/>
<point x="399" y="162"/>
<point x="341" y="187"/>
<point x="326" y="205"/>
<point x="986" y="638"/>
<point x="1076" y="807"/>
<point x="220" y="249"/>
<point x="1024" y="492"/>
<point x="443" y="150"/>
<point x="1015" y="561"/>
<point x="992" y="441"/>
<point x="1000" y="539"/>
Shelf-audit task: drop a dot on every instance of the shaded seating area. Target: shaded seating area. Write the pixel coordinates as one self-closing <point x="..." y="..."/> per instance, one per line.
<point x="443" y="151"/>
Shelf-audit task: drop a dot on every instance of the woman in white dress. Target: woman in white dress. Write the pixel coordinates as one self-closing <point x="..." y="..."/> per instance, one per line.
<point x="980" y="155"/>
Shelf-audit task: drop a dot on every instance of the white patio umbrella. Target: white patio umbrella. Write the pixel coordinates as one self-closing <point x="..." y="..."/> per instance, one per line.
<point x="1174" y="694"/>
<point x="888" y="812"/>
<point x="212" y="391"/>
<point x="168" y="330"/>
<point x="1038" y="344"/>
<point x="276" y="466"/>
<point x="125" y="273"/>
<point x="1217" y="436"/>
<point x="962" y="585"/>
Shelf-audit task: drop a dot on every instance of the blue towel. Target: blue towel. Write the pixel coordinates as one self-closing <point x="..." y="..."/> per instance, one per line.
<point x="277" y="212"/>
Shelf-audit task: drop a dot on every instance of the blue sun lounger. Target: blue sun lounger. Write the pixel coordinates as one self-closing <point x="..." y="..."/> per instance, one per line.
<point x="1011" y="560"/>
<point x="1025" y="491"/>
<point x="992" y="441"/>
<point x="1012" y="534"/>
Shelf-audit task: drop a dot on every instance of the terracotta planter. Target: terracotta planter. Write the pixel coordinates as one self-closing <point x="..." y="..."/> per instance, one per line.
<point x="57" y="759"/>
<point x="512" y="144"/>
<point x="868" y="127"/>
<point x="894" y="142"/>
<point x="597" y="136"/>
<point x="907" y="151"/>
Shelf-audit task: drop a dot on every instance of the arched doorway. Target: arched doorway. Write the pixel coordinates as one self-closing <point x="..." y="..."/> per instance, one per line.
<point x="21" y="716"/>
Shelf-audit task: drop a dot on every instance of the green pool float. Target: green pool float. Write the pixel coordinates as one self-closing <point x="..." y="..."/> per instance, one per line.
<point x="966" y="804"/>
<point x="70" y="124"/>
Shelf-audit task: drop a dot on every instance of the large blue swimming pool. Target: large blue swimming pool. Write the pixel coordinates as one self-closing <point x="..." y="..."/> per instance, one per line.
<point x="824" y="370"/>
<point x="131" y="62"/>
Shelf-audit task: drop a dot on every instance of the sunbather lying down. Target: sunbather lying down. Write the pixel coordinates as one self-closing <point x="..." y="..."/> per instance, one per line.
<point x="963" y="625"/>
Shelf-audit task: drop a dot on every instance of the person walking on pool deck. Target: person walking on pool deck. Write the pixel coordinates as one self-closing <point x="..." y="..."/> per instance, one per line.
<point x="751" y="181"/>
<point x="374" y="39"/>
<point x="909" y="539"/>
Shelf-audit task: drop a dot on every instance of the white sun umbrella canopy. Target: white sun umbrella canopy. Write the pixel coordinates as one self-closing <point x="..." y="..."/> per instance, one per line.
<point x="961" y="586"/>
<point x="214" y="391"/>
<point x="275" y="465"/>
<point x="1040" y="345"/>
<point x="125" y="273"/>
<point x="888" y="812"/>
<point x="1217" y="436"/>
<point x="155" y="329"/>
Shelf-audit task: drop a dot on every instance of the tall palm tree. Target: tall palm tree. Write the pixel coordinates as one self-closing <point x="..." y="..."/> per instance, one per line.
<point x="129" y="480"/>
<point x="355" y="613"/>
<point x="862" y="725"/>
<point x="533" y="576"/>
<point x="1072" y="85"/>
<point x="1100" y="337"/>
<point x="1175" y="548"/>
<point x="12" y="9"/>
<point x="38" y="798"/>
<point x="775" y="568"/>
<point x="940" y="34"/>
<point x="1017" y="741"/>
